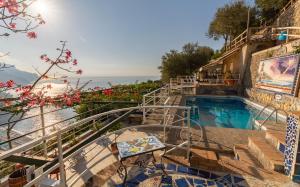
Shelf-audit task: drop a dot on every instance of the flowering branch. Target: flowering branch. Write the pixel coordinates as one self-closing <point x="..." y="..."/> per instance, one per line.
<point x="36" y="94"/>
<point x="16" y="17"/>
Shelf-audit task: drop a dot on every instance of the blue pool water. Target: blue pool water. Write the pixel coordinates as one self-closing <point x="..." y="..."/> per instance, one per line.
<point x="221" y="112"/>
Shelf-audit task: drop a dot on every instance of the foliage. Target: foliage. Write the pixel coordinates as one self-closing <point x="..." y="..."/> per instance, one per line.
<point x="268" y="9"/>
<point x="231" y="20"/>
<point x="98" y="100"/>
<point x="186" y="62"/>
<point x="217" y="54"/>
<point x="297" y="49"/>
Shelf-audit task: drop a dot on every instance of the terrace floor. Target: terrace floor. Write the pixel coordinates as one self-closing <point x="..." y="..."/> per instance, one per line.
<point x="98" y="166"/>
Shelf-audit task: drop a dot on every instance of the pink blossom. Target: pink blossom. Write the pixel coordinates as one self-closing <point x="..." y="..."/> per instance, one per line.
<point x="42" y="103"/>
<point x="75" y="62"/>
<point x="2" y="3"/>
<point x="68" y="54"/>
<point x="10" y="83"/>
<point x="12" y="25"/>
<point x="79" y="72"/>
<point x="32" y="35"/>
<point x="12" y="7"/>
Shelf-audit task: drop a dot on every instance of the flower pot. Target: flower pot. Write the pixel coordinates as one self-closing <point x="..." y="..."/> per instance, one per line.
<point x="114" y="149"/>
<point x="17" y="178"/>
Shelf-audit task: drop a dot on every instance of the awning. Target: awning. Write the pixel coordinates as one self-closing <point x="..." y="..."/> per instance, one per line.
<point x="218" y="61"/>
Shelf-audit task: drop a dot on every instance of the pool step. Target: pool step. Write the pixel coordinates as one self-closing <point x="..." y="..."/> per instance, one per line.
<point x="271" y="125"/>
<point x="266" y="154"/>
<point x="277" y="139"/>
<point x="242" y="153"/>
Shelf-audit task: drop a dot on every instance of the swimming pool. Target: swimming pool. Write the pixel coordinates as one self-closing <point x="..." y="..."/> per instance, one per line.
<point x="226" y="112"/>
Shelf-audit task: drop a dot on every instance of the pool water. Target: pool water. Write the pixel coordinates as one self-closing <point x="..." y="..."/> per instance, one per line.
<point x="221" y="112"/>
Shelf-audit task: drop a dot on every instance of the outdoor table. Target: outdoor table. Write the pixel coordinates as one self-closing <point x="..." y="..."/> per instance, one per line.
<point x="136" y="147"/>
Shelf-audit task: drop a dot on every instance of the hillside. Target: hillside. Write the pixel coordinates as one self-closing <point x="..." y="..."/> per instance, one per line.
<point x="20" y="77"/>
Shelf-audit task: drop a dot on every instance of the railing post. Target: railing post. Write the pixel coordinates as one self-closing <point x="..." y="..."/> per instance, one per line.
<point x="165" y="123"/>
<point x="61" y="160"/>
<point x="189" y="132"/>
<point x="144" y="109"/>
<point x="287" y="35"/>
<point x="43" y="131"/>
<point x="154" y="98"/>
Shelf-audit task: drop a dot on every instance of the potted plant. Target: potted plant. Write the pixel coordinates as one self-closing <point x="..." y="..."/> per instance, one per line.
<point x="228" y="78"/>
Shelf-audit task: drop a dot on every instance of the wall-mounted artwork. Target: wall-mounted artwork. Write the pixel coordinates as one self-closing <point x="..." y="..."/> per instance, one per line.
<point x="278" y="74"/>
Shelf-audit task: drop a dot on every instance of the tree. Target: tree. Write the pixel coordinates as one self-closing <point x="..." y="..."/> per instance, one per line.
<point x="268" y="9"/>
<point x="186" y="62"/>
<point x="16" y="17"/>
<point x="230" y="21"/>
<point x="36" y="94"/>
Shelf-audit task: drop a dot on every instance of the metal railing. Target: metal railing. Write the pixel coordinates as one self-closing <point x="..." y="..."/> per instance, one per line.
<point x="58" y="136"/>
<point x="154" y="98"/>
<point x="285" y="8"/>
<point x="181" y="83"/>
<point x="237" y="41"/>
<point x="262" y="33"/>
<point x="274" y="111"/>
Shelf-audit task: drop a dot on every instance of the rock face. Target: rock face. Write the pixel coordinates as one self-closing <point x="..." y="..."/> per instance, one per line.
<point x="20" y="77"/>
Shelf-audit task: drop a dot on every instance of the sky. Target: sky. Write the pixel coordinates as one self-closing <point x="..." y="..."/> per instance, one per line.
<point x="114" y="37"/>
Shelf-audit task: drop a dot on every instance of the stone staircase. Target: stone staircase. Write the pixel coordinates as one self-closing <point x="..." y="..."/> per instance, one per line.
<point x="267" y="152"/>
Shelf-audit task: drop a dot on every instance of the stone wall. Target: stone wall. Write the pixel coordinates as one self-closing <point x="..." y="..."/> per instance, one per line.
<point x="291" y="17"/>
<point x="287" y="103"/>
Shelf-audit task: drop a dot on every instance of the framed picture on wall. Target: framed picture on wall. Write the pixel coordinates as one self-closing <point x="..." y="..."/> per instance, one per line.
<point x="279" y="74"/>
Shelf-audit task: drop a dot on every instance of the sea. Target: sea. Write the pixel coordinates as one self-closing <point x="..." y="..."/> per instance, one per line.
<point x="31" y="124"/>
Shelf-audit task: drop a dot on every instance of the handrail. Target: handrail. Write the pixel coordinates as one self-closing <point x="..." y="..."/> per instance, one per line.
<point x="52" y="125"/>
<point x="37" y="141"/>
<point x="151" y="99"/>
<point x="275" y="110"/>
<point x="39" y="178"/>
<point x="261" y="111"/>
<point x="268" y="118"/>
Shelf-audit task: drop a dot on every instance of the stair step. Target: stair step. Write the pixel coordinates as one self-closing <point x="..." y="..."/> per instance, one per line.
<point x="266" y="154"/>
<point x="272" y="125"/>
<point x="199" y="156"/>
<point x="277" y="139"/>
<point x="242" y="153"/>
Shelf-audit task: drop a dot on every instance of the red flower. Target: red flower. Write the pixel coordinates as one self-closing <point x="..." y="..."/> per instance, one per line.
<point x="12" y="6"/>
<point x="12" y="25"/>
<point x="42" y="103"/>
<point x="32" y="35"/>
<point x="2" y="3"/>
<point x="79" y="72"/>
<point x="107" y="92"/>
<point x="45" y="58"/>
<point x="2" y="84"/>
<point x="68" y="54"/>
<point x="10" y="83"/>
<point x="65" y="81"/>
<point x="75" y="62"/>
<point x="69" y="102"/>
